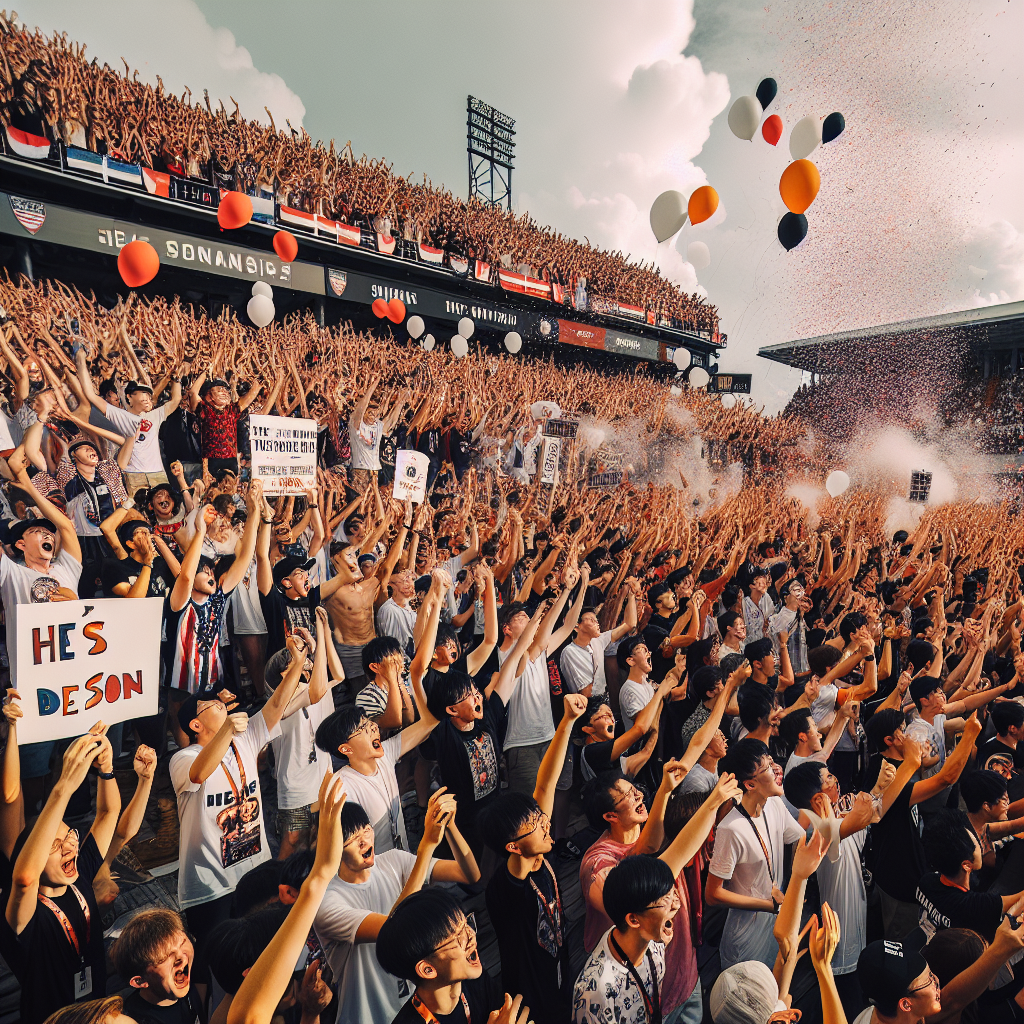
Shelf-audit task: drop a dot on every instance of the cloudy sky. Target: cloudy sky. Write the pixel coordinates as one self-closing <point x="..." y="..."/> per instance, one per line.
<point x="920" y="209"/>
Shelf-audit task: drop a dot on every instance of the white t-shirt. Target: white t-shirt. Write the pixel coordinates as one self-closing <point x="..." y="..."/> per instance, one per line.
<point x="633" y="698"/>
<point x="739" y="860"/>
<point x="210" y="864"/>
<point x="366" y="992"/>
<point x="299" y="778"/>
<point x="380" y="797"/>
<point x="606" y="991"/>
<point x="932" y="738"/>
<point x="581" y="666"/>
<point x="21" y="585"/>
<point x="698" y="780"/>
<point x="145" y="456"/>
<point x="245" y="604"/>
<point x="841" y="886"/>
<point x="394" y="620"/>
<point x="364" y="440"/>
<point x="529" y="708"/>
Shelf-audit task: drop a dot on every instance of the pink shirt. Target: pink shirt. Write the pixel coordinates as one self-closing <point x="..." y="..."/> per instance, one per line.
<point x="680" y="959"/>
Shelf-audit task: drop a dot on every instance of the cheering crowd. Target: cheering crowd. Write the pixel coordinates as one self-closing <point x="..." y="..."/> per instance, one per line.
<point x="658" y="746"/>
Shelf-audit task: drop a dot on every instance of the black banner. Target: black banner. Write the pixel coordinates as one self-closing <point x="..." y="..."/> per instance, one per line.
<point x="729" y="383"/>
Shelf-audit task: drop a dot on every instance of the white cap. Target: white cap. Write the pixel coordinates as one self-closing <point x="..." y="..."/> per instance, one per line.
<point x="745" y="993"/>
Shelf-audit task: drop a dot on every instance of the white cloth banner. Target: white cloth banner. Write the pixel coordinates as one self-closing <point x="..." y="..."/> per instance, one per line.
<point x="82" y="662"/>
<point x="283" y="453"/>
<point x="411" y="476"/>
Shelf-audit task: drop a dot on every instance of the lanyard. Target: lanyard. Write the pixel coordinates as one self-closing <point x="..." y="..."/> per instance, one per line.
<point x="69" y="931"/>
<point x="953" y="885"/>
<point x="764" y="849"/>
<point x="552" y="911"/>
<point x="241" y="774"/>
<point x="425" y="1012"/>
<point x="651" y="1006"/>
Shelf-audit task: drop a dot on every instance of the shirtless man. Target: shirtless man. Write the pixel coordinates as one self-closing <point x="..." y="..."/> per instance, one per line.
<point x="350" y="605"/>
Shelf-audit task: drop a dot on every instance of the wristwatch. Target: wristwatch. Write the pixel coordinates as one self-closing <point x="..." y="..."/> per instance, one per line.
<point x="107" y="776"/>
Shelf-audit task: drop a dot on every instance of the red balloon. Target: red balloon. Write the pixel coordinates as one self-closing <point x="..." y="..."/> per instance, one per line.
<point x="772" y="129"/>
<point x="396" y="311"/>
<point x="235" y="211"/>
<point x="380" y="308"/>
<point x="285" y="246"/>
<point x="138" y="263"/>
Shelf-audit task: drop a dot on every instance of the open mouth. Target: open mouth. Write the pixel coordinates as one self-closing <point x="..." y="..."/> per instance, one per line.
<point x="376" y="745"/>
<point x="70" y="866"/>
<point x="181" y="977"/>
<point x="368" y="854"/>
<point x="47" y="545"/>
<point x="473" y="956"/>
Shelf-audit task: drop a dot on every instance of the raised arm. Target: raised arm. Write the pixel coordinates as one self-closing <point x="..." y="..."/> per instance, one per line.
<point x="572" y="618"/>
<point x="477" y="658"/>
<point x="66" y="528"/>
<point x="240" y="566"/>
<point x="182" y="592"/>
<point x="551" y="766"/>
<point x="691" y="837"/>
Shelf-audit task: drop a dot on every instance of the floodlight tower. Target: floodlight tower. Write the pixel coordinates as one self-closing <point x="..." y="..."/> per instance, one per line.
<point x="490" y="144"/>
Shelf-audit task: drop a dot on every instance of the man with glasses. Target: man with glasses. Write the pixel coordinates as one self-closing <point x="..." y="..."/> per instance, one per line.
<point x="787" y="626"/>
<point x="582" y="662"/>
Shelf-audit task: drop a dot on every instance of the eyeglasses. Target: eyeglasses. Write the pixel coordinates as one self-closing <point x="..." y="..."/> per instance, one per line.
<point x="667" y="902"/>
<point x="631" y="794"/>
<point x="465" y="937"/>
<point x="542" y="820"/>
<point x="771" y="766"/>
<point x="356" y="836"/>
<point x="932" y="980"/>
<point x="205" y="705"/>
<point x="368" y="727"/>
<point x="70" y="839"/>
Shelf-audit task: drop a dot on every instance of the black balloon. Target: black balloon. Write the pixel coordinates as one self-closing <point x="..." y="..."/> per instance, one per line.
<point x="832" y="127"/>
<point x="792" y="230"/>
<point x="766" y="92"/>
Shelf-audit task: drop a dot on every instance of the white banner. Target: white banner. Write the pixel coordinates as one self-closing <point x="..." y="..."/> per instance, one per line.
<point x="283" y="454"/>
<point x="6" y="441"/>
<point x="550" y="454"/>
<point x="411" y="476"/>
<point x="82" y="662"/>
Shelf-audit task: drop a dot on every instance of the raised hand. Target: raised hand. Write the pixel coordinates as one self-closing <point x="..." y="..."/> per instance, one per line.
<point x="144" y="762"/>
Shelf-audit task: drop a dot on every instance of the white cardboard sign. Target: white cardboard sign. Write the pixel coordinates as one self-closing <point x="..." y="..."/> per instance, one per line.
<point x="411" y="476"/>
<point x="283" y="454"/>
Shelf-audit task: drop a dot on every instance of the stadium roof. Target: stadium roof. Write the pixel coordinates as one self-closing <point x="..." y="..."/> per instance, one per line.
<point x="989" y="327"/>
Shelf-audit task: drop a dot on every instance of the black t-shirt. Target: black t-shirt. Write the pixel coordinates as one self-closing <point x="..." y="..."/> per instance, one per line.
<point x="898" y="856"/>
<point x="531" y="963"/>
<point x="654" y="636"/>
<point x="42" y="956"/>
<point x="469" y="760"/>
<point x="184" y="1011"/>
<point x="595" y="758"/>
<point x="996" y="748"/>
<point x="948" y="906"/>
<point x="482" y="995"/>
<point x="283" y="616"/>
<point x="180" y="436"/>
<point x="126" y="570"/>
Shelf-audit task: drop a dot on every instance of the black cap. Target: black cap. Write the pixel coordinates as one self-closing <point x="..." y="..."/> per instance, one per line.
<point x="886" y="970"/>
<point x="79" y="442"/>
<point x="287" y="565"/>
<point x="126" y="531"/>
<point x="133" y="385"/>
<point x="16" y="530"/>
<point x="209" y="385"/>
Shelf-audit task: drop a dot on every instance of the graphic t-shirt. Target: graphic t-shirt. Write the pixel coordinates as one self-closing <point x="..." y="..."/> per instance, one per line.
<point x="127" y="570"/>
<point x="948" y="906"/>
<point x="218" y="430"/>
<point x="192" y="643"/>
<point x="607" y="992"/>
<point x="89" y="502"/>
<point x="145" y="456"/>
<point x="283" y="616"/>
<point x="222" y="833"/>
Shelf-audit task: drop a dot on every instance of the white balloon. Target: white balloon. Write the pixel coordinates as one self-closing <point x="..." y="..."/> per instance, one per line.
<point x="513" y="341"/>
<point x="261" y="310"/>
<point x="698" y="254"/>
<point x="428" y="343"/>
<point x="675" y="390"/>
<point x="460" y="346"/>
<point x="745" y="117"/>
<point x="699" y="377"/>
<point x="836" y="482"/>
<point x="466" y="327"/>
<point x="805" y="137"/>
<point x="262" y="288"/>
<point x="728" y="401"/>
<point x="668" y="214"/>
<point x="681" y="358"/>
<point x="414" y="325"/>
<point x="545" y="328"/>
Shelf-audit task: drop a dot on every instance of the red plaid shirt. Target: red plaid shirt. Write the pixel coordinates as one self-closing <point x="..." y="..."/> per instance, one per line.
<point x="218" y="430"/>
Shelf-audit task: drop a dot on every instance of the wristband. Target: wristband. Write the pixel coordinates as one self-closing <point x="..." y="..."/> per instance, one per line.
<point x="148" y="565"/>
<point x="267" y="521"/>
<point x="870" y="657"/>
<point x="107" y="776"/>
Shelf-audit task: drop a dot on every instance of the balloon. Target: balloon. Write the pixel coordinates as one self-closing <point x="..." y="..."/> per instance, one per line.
<point x="675" y="390"/>
<point x="380" y="308"/>
<point x="703" y="204"/>
<point x="836" y="482"/>
<point x="285" y="246"/>
<point x="698" y="254"/>
<point x="668" y="214"/>
<point x="261" y="310"/>
<point x="771" y="130"/>
<point x="681" y="358"/>
<point x="744" y="117"/>
<point x="513" y="341"/>
<point x="699" y="377"/>
<point x="766" y="92"/>
<point x="460" y="346"/>
<point x="396" y="311"/>
<point x="805" y="137"/>
<point x="833" y="127"/>
<point x="428" y="343"/>
<point x="728" y="401"/>
<point x="415" y="327"/>
<point x="799" y="185"/>
<point x="235" y="211"/>
<point x="466" y="327"/>
<point x="792" y="230"/>
<point x="545" y="328"/>
<point x="137" y="263"/>
<point x="262" y="288"/>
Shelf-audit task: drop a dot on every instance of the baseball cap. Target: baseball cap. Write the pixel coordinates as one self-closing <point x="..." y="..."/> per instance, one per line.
<point x="209" y="385"/>
<point x="133" y="385"/>
<point x="126" y="531"/>
<point x="16" y="530"/>
<point x="746" y="993"/>
<point x="886" y="970"/>
<point x="79" y="442"/>
<point x="287" y="565"/>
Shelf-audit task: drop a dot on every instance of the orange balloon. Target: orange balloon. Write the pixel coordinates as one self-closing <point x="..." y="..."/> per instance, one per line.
<point x="799" y="185"/>
<point x="396" y="311"/>
<point x="703" y="204"/>
<point x="380" y="308"/>
<point x="771" y="130"/>
<point x="285" y="246"/>
<point x="235" y="211"/>
<point x="137" y="263"/>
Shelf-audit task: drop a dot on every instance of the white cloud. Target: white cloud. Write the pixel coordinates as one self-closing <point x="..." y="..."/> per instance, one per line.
<point x="174" y="40"/>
